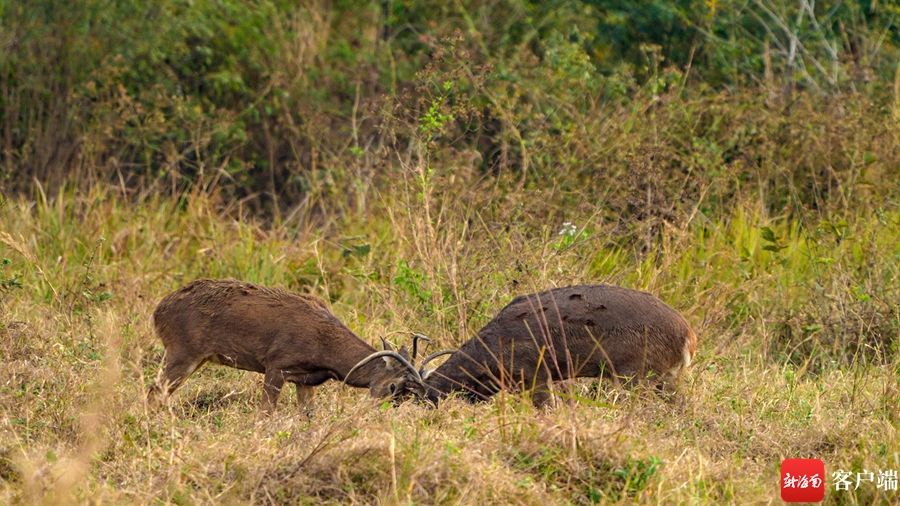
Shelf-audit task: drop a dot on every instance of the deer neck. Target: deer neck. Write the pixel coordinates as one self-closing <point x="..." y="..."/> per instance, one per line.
<point x="352" y="354"/>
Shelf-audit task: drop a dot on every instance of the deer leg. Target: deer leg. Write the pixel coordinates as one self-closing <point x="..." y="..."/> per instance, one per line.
<point x="176" y="371"/>
<point x="628" y="373"/>
<point x="305" y="398"/>
<point x="666" y="384"/>
<point x="542" y="397"/>
<point x="541" y="393"/>
<point x="272" y="384"/>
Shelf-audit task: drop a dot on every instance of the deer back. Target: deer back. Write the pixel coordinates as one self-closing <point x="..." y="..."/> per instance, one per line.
<point x="245" y="325"/>
<point x="588" y="330"/>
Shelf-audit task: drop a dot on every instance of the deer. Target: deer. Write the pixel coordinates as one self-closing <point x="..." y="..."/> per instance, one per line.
<point x="287" y="336"/>
<point x="577" y="331"/>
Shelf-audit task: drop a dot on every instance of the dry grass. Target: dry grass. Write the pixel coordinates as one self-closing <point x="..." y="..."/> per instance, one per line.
<point x="798" y="358"/>
<point x="418" y="170"/>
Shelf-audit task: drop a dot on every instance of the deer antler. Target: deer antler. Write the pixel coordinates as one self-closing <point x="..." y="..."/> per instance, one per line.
<point x="386" y="353"/>
<point x="415" y="343"/>
<point x="422" y="372"/>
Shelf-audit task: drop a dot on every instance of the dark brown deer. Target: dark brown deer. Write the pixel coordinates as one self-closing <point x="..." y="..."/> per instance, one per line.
<point x="577" y="331"/>
<point x="286" y="336"/>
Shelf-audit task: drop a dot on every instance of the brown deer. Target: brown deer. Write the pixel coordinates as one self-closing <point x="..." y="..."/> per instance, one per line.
<point x="577" y="331"/>
<point x="286" y="336"/>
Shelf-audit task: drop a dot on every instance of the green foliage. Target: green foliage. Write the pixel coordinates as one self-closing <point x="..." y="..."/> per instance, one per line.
<point x="733" y="42"/>
<point x="9" y="279"/>
<point x="635" y="475"/>
<point x="433" y="121"/>
<point x="275" y="100"/>
<point x="569" y="235"/>
<point x="413" y="282"/>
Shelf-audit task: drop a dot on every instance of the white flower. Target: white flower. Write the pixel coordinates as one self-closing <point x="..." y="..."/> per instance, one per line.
<point x="568" y="229"/>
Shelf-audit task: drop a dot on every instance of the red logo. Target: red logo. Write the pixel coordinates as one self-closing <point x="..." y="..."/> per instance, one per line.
<point x="802" y="480"/>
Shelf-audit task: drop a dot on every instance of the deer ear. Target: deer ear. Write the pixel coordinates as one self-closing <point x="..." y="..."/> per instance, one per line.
<point x="387" y="346"/>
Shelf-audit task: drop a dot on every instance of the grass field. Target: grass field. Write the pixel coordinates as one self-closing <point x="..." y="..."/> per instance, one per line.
<point x="417" y="164"/>
<point x="797" y="317"/>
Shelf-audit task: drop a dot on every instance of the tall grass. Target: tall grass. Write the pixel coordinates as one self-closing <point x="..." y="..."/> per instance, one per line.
<point x="798" y="357"/>
<point x="417" y="165"/>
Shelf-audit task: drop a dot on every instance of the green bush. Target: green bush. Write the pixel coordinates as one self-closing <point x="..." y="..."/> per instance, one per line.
<point x="277" y="103"/>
